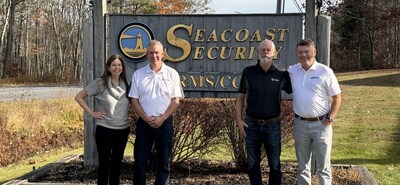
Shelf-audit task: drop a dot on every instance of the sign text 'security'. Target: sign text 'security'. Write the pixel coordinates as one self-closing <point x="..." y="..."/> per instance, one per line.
<point x="226" y="36"/>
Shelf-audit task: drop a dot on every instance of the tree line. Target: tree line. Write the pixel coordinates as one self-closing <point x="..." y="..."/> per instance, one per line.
<point x="42" y="39"/>
<point x="365" y="34"/>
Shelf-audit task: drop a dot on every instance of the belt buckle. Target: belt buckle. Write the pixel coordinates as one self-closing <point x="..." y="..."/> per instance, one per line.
<point x="311" y="119"/>
<point x="262" y="122"/>
<point x="322" y="117"/>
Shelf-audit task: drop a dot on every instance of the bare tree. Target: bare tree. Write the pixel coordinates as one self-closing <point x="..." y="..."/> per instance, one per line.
<point x="6" y="15"/>
<point x="57" y="37"/>
<point x="8" y="56"/>
<point x="43" y="38"/>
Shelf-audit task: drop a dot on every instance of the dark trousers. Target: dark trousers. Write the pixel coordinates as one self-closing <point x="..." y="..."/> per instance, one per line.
<point x="111" y="145"/>
<point x="146" y="136"/>
<point x="270" y="136"/>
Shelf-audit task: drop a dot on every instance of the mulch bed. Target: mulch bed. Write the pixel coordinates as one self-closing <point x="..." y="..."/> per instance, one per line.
<point x="205" y="172"/>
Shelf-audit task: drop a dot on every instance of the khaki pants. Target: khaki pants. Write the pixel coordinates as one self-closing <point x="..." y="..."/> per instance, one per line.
<point x="313" y="138"/>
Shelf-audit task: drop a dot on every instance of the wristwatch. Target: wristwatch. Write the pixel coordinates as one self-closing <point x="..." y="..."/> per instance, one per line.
<point x="329" y="118"/>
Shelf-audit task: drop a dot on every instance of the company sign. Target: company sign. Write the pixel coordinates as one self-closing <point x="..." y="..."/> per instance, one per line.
<point x="209" y="51"/>
<point x="133" y="39"/>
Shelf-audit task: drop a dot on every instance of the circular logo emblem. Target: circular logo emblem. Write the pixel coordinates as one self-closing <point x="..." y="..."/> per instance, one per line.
<point x="133" y="39"/>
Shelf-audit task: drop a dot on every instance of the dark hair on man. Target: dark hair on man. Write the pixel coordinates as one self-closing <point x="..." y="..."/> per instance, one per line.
<point x="306" y="42"/>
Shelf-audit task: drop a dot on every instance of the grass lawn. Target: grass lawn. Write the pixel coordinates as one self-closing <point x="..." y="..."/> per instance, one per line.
<point x="366" y="131"/>
<point x="367" y="128"/>
<point x="34" y="162"/>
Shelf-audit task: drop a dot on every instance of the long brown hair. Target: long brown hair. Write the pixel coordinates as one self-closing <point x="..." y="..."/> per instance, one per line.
<point x="107" y="73"/>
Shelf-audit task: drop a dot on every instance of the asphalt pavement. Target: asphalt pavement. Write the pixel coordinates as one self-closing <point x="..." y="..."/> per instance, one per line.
<point x="37" y="92"/>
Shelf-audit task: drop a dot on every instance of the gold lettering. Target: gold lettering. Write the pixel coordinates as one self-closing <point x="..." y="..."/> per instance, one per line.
<point x="256" y="36"/>
<point x="235" y="81"/>
<point x="222" y="54"/>
<point x="216" y="81"/>
<point x="209" y="80"/>
<point x="270" y="34"/>
<point x="244" y="37"/>
<point x="178" y="42"/>
<point x="223" y="35"/>
<point x="213" y="36"/>
<point x="282" y="34"/>
<point x="193" y="81"/>
<point x="240" y="51"/>
<point x="219" y="52"/>
<point x="198" y="54"/>
<point x="200" y="80"/>
<point x="205" y="81"/>
<point x="209" y="53"/>
<point x="183" y="80"/>
<point x="222" y="81"/>
<point x="199" y="35"/>
<point x="277" y="52"/>
<point x="251" y="54"/>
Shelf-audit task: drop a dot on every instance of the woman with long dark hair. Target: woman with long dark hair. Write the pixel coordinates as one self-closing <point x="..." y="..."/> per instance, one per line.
<point x="111" y="118"/>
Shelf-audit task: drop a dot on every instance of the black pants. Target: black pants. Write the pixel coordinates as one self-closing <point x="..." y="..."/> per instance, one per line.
<point x="111" y="145"/>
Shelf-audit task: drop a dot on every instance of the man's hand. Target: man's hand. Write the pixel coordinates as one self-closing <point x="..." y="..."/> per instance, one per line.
<point x="155" y="121"/>
<point x="326" y="122"/>
<point x="241" y="124"/>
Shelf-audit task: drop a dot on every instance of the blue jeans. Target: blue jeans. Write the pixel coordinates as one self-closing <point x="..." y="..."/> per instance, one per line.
<point x="270" y="136"/>
<point x="111" y="145"/>
<point x="146" y="136"/>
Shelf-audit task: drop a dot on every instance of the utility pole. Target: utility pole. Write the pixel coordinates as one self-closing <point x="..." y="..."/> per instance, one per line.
<point x="311" y="19"/>
<point x="279" y="6"/>
<point x="99" y="10"/>
<point x="318" y="28"/>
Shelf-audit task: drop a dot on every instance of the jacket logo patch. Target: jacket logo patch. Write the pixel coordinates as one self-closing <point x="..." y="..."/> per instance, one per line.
<point x="274" y="80"/>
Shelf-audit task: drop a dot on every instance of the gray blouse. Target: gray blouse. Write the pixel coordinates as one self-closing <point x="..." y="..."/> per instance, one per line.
<point x="111" y="98"/>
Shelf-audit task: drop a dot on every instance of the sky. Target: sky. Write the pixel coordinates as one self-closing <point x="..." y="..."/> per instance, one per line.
<point x="252" y="6"/>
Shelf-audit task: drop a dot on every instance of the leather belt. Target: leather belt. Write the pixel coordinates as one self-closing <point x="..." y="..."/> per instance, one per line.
<point x="262" y="121"/>
<point x="311" y="119"/>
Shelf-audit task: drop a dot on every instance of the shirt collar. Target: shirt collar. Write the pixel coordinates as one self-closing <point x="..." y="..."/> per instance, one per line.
<point x="148" y="69"/>
<point x="313" y="67"/>
<point x="258" y="65"/>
